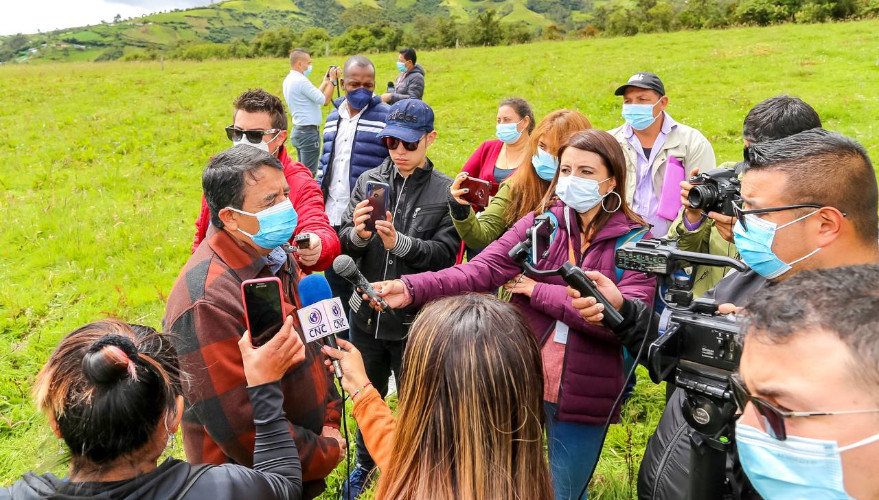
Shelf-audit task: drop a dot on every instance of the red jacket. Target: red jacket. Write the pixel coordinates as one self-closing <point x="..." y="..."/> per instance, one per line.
<point x="307" y="199"/>
<point x="482" y="162"/>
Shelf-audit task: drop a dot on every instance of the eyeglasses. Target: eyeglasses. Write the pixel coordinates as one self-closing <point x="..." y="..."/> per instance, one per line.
<point x="773" y="418"/>
<point x="740" y="214"/>
<point x="253" y="136"/>
<point x="392" y="142"/>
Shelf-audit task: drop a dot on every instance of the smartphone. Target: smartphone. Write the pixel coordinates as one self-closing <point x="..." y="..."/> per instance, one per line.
<point x="541" y="234"/>
<point x="378" y="194"/>
<point x="303" y="241"/>
<point x="391" y="88"/>
<point x="479" y="191"/>
<point x="263" y="308"/>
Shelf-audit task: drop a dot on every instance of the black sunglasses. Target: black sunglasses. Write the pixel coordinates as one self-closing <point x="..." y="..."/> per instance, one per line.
<point x="253" y="136"/>
<point x="392" y="142"/>
<point x="773" y="418"/>
<point x="740" y="214"/>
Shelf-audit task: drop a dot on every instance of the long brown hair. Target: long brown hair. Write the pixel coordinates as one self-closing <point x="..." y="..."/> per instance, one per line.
<point x="470" y="422"/>
<point x="526" y="187"/>
<point x="604" y="145"/>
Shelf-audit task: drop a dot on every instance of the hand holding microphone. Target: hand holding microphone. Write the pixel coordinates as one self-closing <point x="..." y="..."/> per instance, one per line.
<point x="391" y="294"/>
<point x="348" y="357"/>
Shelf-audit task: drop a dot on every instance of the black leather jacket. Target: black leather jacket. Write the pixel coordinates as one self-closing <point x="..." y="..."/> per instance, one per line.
<point x="427" y="240"/>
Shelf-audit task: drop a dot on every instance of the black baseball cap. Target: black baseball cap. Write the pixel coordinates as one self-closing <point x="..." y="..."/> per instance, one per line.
<point x="643" y="80"/>
<point x="408" y="120"/>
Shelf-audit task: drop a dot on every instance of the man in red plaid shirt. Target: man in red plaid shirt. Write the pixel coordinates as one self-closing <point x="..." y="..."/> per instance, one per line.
<point x="251" y="217"/>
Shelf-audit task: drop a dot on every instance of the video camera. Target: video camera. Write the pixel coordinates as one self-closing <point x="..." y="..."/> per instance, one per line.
<point x="716" y="190"/>
<point x="699" y="348"/>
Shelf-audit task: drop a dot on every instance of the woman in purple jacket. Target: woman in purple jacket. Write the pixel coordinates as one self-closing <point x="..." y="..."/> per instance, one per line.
<point x="582" y="362"/>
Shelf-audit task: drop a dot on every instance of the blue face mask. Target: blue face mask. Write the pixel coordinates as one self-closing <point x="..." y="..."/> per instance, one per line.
<point x="545" y="164"/>
<point x="795" y="468"/>
<point x="359" y="99"/>
<point x="579" y="193"/>
<point x="276" y="224"/>
<point x="308" y="70"/>
<point x="401" y="66"/>
<point x="508" y="132"/>
<point x="639" y="116"/>
<point x="755" y="246"/>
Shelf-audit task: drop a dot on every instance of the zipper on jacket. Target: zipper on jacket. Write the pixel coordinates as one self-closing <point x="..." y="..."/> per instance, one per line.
<point x="378" y="319"/>
<point x="663" y="460"/>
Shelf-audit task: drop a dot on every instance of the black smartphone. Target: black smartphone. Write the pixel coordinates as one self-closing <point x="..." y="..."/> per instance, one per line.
<point x="378" y="194"/>
<point x="390" y="89"/>
<point x="263" y="308"/>
<point x="541" y="234"/>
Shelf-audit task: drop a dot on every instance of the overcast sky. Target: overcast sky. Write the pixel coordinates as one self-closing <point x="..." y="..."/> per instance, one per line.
<point x="18" y="16"/>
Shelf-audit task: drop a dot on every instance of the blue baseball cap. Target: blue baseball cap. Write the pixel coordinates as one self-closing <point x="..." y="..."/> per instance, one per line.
<point x="408" y="120"/>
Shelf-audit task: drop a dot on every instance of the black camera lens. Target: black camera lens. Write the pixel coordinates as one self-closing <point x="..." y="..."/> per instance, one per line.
<point x="702" y="196"/>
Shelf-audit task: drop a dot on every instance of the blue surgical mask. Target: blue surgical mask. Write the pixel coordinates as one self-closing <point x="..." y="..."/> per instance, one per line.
<point x="359" y="99"/>
<point x="308" y="70"/>
<point x="401" y="67"/>
<point x="795" y="468"/>
<point x="639" y="116"/>
<point x="508" y="132"/>
<point x="276" y="224"/>
<point x="755" y="246"/>
<point x="578" y="193"/>
<point x="545" y="164"/>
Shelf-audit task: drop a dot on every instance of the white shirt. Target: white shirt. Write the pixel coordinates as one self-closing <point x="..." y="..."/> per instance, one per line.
<point x="340" y="186"/>
<point x="303" y="99"/>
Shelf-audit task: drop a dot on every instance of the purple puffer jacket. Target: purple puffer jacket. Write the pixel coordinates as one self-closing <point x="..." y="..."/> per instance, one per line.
<point x="593" y="372"/>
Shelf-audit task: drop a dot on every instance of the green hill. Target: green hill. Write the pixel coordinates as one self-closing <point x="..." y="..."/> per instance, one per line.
<point x="224" y="22"/>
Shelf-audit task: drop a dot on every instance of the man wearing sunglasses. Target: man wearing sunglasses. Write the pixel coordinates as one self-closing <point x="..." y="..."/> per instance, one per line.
<point x="415" y="234"/>
<point x="810" y="202"/>
<point x="808" y="386"/>
<point x="259" y="121"/>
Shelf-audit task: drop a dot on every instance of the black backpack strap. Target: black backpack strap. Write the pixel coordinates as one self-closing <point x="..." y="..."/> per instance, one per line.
<point x="195" y="474"/>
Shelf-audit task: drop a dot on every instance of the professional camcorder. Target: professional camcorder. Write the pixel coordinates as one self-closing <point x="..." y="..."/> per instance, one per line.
<point x="697" y="351"/>
<point x="716" y="190"/>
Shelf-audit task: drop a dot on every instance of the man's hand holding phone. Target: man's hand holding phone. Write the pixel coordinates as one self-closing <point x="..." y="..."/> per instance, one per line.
<point x="362" y="214"/>
<point x="269" y="362"/>
<point x="308" y="248"/>
<point x="386" y="231"/>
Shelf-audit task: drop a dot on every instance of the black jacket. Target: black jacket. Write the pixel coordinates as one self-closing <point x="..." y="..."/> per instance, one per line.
<point x="427" y="240"/>
<point x="276" y="472"/>
<point x="664" y="472"/>
<point x="410" y="86"/>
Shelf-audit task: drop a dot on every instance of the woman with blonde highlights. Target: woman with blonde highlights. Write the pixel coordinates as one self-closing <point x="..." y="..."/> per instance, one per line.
<point x="470" y="421"/>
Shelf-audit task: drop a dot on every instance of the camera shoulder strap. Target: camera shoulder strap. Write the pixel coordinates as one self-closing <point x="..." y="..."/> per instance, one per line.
<point x="634" y="235"/>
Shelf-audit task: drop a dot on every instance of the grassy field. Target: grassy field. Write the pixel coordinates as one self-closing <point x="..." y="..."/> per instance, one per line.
<point x="100" y="169"/>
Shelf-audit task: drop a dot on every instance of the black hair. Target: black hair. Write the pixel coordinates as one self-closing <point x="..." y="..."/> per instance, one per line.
<point x="841" y="300"/>
<point x="108" y="385"/>
<point x="778" y="117"/>
<point x="522" y="108"/>
<point x="358" y="60"/>
<point x="409" y="54"/>
<point x="223" y="177"/>
<point x="260" y="101"/>
<point x="828" y="169"/>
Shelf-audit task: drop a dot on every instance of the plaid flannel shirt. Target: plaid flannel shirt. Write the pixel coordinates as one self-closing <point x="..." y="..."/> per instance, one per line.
<point x="205" y="314"/>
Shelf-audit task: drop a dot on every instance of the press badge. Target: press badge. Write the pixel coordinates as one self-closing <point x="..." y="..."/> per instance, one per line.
<point x="561" y="333"/>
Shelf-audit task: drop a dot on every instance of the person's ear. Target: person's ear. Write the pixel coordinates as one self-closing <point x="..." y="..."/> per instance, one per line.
<point x="174" y="424"/>
<point x="53" y="423"/>
<point x="430" y="138"/>
<point x="342" y="84"/>
<point x="831" y="223"/>
<point x="526" y="122"/>
<point x="229" y="218"/>
<point x="282" y="136"/>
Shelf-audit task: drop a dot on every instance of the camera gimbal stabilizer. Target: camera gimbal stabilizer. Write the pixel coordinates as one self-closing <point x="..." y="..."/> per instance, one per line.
<point x="573" y="275"/>
<point x="698" y="351"/>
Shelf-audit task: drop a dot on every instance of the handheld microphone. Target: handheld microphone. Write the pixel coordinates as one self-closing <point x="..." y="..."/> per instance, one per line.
<point x="345" y="267"/>
<point x="314" y="293"/>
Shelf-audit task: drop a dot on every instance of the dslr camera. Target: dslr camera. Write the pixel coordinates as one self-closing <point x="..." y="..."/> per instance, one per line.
<point x="716" y="190"/>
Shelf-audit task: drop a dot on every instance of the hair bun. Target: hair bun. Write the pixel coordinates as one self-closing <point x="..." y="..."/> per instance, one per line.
<point x="110" y="359"/>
